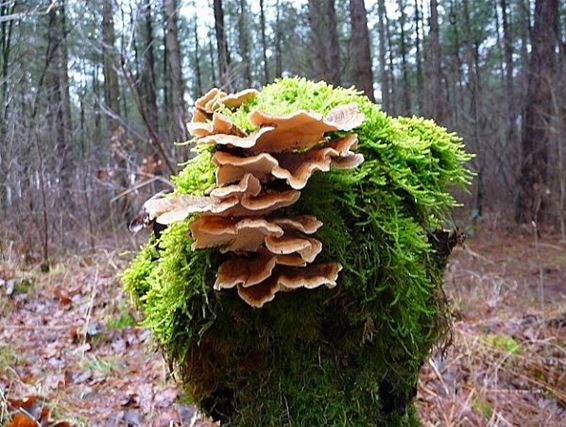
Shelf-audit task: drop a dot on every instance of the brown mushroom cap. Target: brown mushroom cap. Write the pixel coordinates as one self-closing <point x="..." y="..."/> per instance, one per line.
<point x="295" y="168"/>
<point x="232" y="167"/>
<point x="231" y="234"/>
<point x="307" y="247"/>
<point x="302" y="129"/>
<point x="220" y="125"/>
<point x="249" y="184"/>
<point x="201" y="103"/>
<point x="238" y="99"/>
<point x="307" y="224"/>
<point x="251" y="271"/>
<point x="258" y="295"/>
<point x="172" y="209"/>
<point x="345" y="117"/>
<point x="309" y="277"/>
<point x="199" y="116"/>
<point x="246" y="141"/>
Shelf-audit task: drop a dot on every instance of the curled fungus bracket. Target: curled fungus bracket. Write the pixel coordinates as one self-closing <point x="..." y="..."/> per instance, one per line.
<point x="269" y="253"/>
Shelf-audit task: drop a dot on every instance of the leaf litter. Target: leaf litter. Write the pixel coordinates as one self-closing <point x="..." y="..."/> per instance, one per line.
<point x="71" y="353"/>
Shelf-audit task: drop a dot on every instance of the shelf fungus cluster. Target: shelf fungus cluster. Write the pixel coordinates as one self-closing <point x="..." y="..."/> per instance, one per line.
<point x="257" y="175"/>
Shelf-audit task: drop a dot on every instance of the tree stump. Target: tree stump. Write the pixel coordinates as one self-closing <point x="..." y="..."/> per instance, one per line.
<point x="266" y="330"/>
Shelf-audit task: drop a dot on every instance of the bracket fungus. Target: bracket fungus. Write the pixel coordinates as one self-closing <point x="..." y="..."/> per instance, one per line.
<point x="294" y="279"/>
<point x="235" y="215"/>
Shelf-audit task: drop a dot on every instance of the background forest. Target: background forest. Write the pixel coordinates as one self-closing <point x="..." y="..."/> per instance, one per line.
<point x="94" y="93"/>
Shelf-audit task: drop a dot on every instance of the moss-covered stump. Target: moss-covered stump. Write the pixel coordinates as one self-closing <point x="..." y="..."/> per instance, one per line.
<point x="349" y="355"/>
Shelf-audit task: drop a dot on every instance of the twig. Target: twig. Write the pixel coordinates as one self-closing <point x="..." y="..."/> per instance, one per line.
<point x="140" y="185"/>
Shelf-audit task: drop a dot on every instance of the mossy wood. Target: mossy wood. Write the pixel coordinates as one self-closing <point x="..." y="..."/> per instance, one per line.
<point x="344" y="356"/>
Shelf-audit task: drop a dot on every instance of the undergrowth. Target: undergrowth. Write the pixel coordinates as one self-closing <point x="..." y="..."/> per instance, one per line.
<point x="346" y="356"/>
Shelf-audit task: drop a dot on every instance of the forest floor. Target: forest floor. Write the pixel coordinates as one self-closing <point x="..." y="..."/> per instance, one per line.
<point x="70" y="348"/>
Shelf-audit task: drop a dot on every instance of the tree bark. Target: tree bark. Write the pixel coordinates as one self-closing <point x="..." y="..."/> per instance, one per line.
<point x="383" y="74"/>
<point x="404" y="64"/>
<point x="438" y="108"/>
<point x="363" y="73"/>
<point x="324" y="40"/>
<point x="244" y="43"/>
<point x="148" y="78"/>
<point x="263" y="43"/>
<point x="509" y="89"/>
<point x="533" y="176"/>
<point x="111" y="85"/>
<point x="418" y="59"/>
<point x="221" y="47"/>
<point x="175" y="72"/>
<point x="278" y="37"/>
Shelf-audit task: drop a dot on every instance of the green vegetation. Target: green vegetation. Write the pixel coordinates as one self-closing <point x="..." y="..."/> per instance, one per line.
<point x="122" y="320"/>
<point x="105" y="366"/>
<point x="503" y="342"/>
<point x="346" y="356"/>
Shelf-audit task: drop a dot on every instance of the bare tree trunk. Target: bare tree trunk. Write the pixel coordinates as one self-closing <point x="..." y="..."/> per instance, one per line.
<point x="438" y="109"/>
<point x="383" y="74"/>
<point x="148" y="78"/>
<point x="263" y="43"/>
<point x="324" y="40"/>
<point x="5" y="50"/>
<point x="111" y="87"/>
<point x="175" y="72"/>
<point x="198" y="72"/>
<point x="533" y="177"/>
<point x="418" y="59"/>
<point x="404" y="64"/>
<point x="222" y="47"/>
<point x="363" y="73"/>
<point x="472" y="65"/>
<point x="393" y="97"/>
<point x="214" y="80"/>
<point x="112" y="98"/>
<point x="278" y="36"/>
<point x="509" y="90"/>
<point x="244" y="42"/>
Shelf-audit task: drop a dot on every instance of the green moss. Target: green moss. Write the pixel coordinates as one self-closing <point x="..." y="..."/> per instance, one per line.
<point x="346" y="356"/>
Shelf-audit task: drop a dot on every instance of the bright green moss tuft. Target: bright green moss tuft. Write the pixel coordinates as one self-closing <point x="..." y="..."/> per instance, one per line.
<point x="346" y="356"/>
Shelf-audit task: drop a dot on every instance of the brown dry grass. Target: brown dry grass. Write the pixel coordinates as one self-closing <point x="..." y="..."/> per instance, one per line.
<point x="507" y="364"/>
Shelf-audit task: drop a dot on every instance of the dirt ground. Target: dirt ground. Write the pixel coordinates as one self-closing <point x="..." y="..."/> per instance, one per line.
<point x="70" y="350"/>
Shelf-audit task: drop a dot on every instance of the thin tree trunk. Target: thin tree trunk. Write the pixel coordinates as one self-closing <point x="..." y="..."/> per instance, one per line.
<point x="438" y="109"/>
<point x="215" y="81"/>
<point x="333" y="46"/>
<point x="278" y="37"/>
<point x="324" y="40"/>
<point x="404" y="64"/>
<point x="221" y="46"/>
<point x="533" y="177"/>
<point x="383" y="74"/>
<point x="198" y="72"/>
<point x="111" y="87"/>
<point x="175" y="72"/>
<point x="418" y="59"/>
<point x="149" y="81"/>
<point x="112" y="98"/>
<point x="509" y="89"/>
<point x="363" y="73"/>
<point x="244" y="43"/>
<point x="393" y="97"/>
<point x="263" y="43"/>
